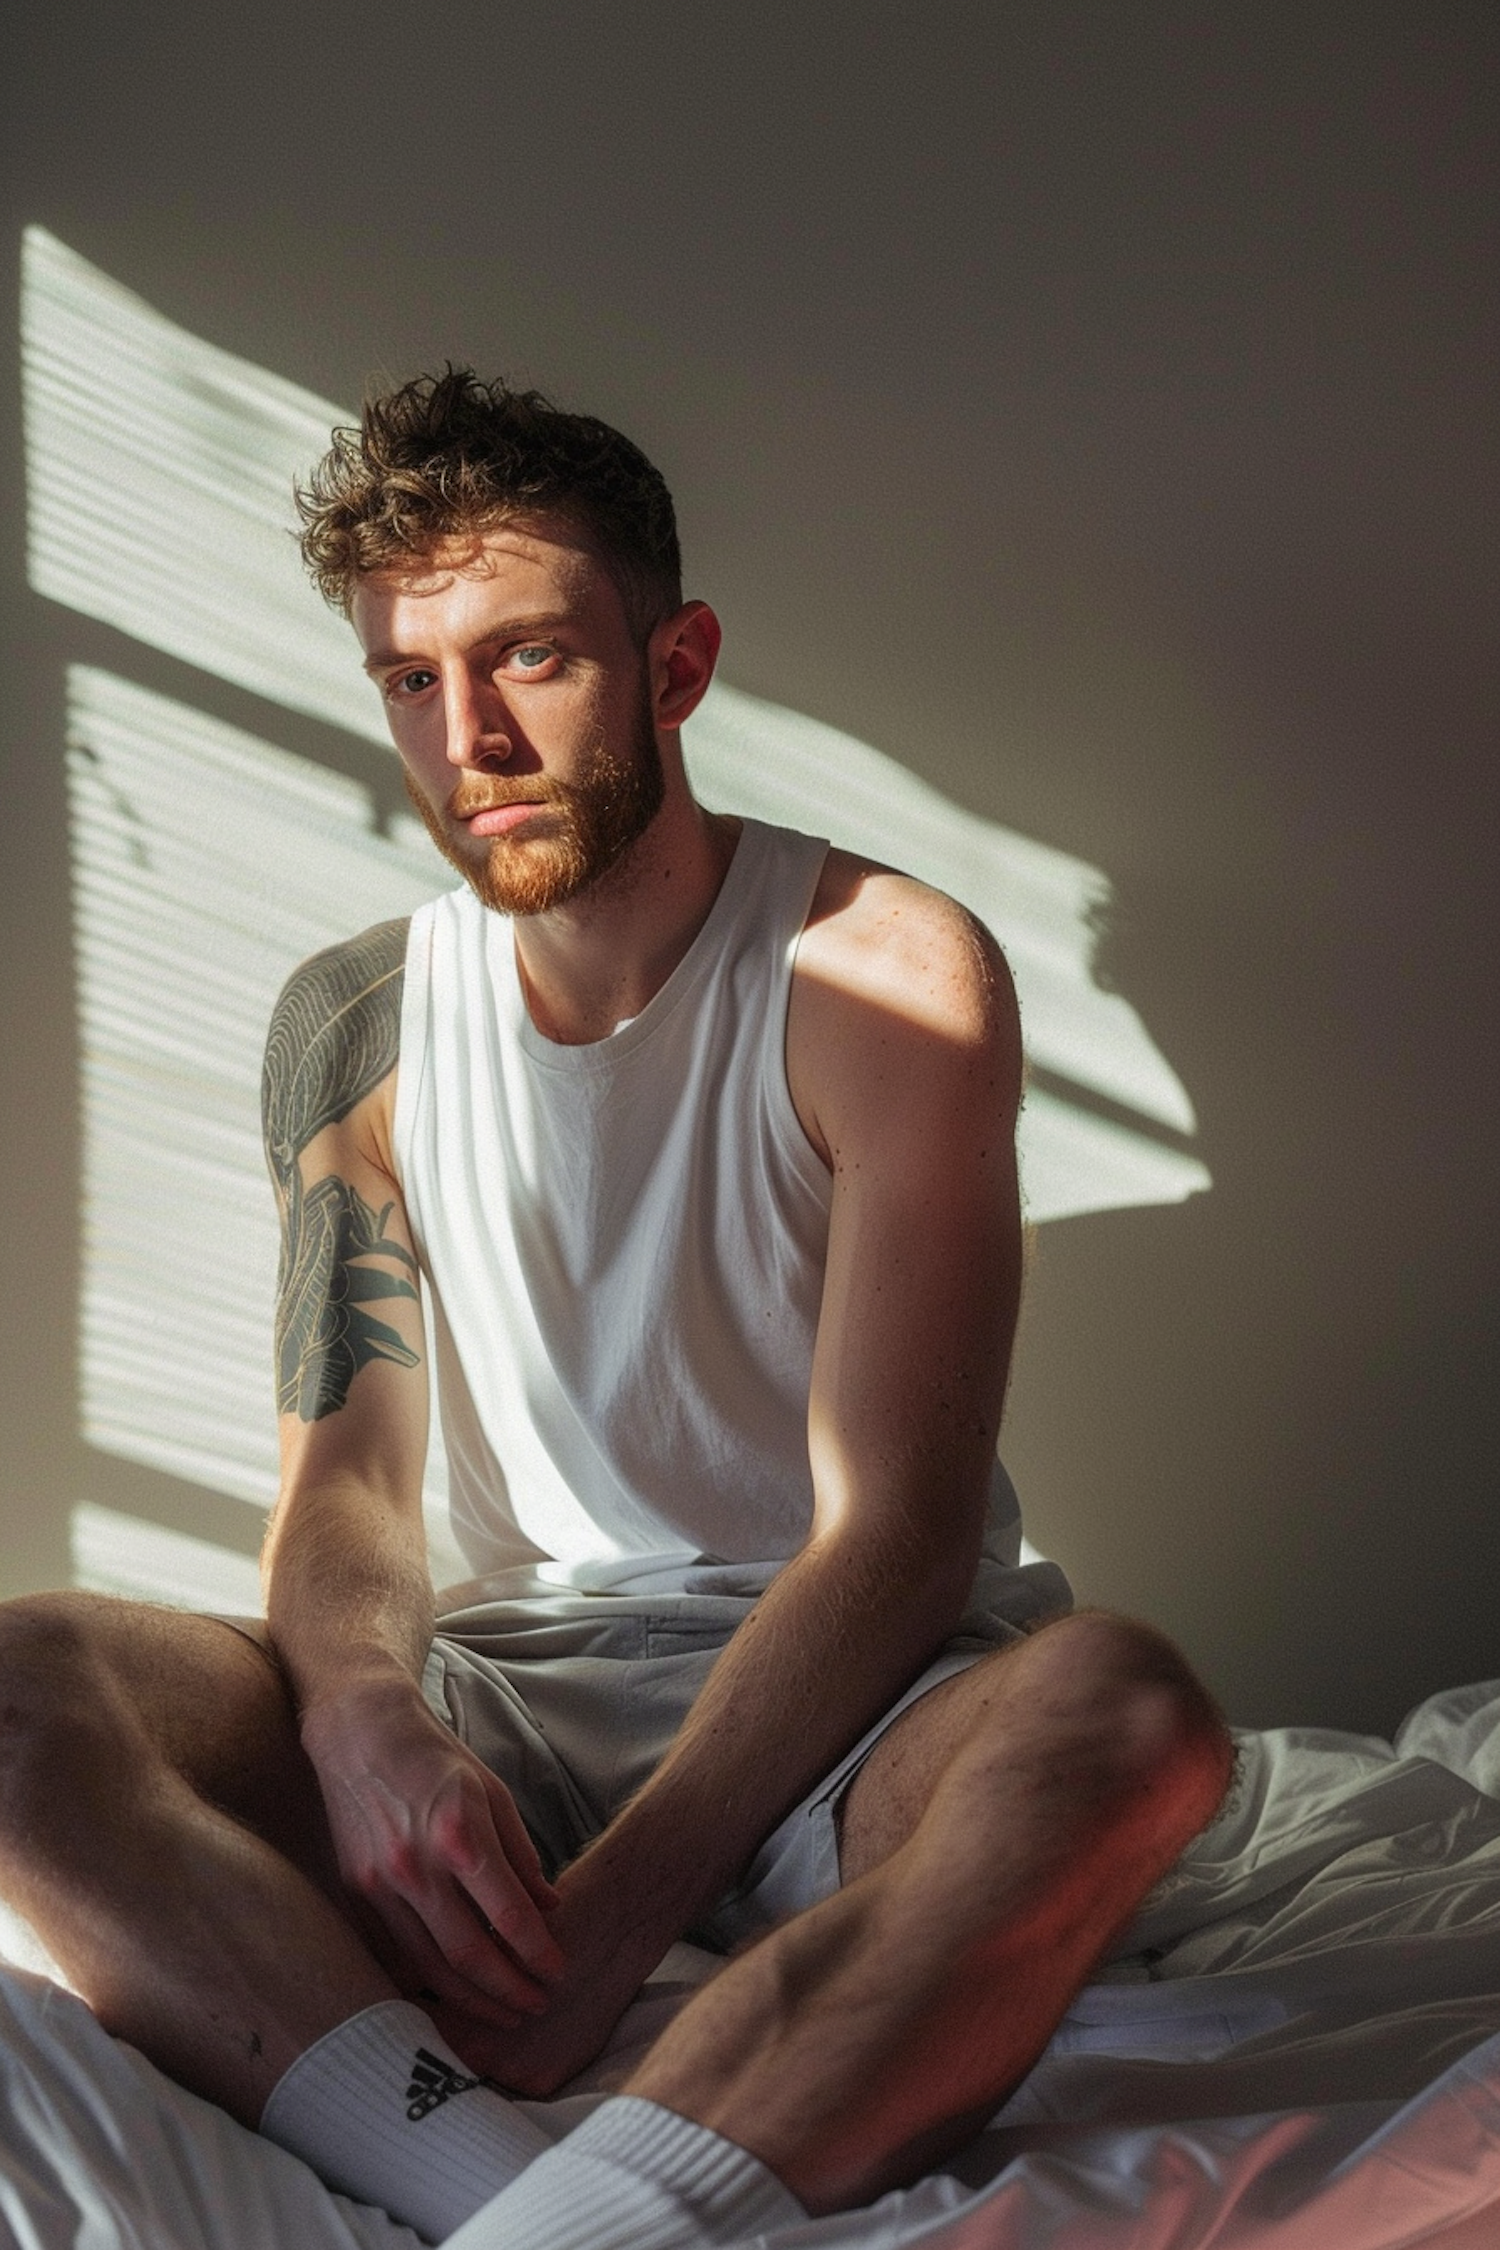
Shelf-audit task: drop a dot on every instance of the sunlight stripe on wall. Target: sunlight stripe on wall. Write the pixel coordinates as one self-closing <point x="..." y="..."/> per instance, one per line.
<point x="1044" y="906"/>
<point x="160" y="472"/>
<point x="206" y="865"/>
<point x="119" y="1554"/>
<point x="208" y="861"/>
<point x="159" y="485"/>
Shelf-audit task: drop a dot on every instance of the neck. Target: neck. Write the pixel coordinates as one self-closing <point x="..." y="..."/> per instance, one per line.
<point x="599" y="960"/>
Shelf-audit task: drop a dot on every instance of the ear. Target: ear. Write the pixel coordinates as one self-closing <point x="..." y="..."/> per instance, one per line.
<point x="682" y="653"/>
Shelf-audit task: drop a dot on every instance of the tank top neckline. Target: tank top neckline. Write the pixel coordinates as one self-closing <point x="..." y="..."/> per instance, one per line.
<point x="596" y="1055"/>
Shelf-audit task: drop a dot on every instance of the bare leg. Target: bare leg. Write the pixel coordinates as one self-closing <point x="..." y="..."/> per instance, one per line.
<point x="867" y="2038"/>
<point x="161" y="1828"/>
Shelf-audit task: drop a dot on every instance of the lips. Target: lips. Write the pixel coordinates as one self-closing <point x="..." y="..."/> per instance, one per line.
<point x="499" y="820"/>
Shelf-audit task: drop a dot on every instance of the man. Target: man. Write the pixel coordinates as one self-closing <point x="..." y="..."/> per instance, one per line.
<point x="702" y="1136"/>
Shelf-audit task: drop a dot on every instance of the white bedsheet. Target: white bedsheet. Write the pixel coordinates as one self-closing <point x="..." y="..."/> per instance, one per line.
<point x="1301" y="2049"/>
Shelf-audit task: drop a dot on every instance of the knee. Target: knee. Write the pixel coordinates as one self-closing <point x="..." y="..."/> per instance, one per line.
<point x="1151" y="1723"/>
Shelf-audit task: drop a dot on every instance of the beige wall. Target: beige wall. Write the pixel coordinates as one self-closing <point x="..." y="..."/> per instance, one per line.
<point x="1090" y="407"/>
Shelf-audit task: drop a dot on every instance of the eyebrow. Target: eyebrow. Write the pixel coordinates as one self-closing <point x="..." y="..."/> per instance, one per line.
<point x="512" y="628"/>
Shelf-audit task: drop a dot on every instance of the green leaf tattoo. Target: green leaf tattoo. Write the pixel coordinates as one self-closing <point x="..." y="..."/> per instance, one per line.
<point x="334" y="1035"/>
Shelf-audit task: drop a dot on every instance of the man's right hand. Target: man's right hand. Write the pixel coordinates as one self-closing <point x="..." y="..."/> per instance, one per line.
<point x="444" y="1878"/>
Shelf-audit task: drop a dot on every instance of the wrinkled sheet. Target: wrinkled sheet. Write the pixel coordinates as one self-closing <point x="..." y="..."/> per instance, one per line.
<point x="1298" y="2046"/>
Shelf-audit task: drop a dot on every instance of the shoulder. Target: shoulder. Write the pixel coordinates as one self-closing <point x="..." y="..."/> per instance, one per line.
<point x="348" y="992"/>
<point x="881" y="937"/>
<point x="898" y="991"/>
<point x="334" y="1036"/>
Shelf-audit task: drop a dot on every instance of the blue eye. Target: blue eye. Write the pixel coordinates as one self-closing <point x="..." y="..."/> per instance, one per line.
<point x="531" y="658"/>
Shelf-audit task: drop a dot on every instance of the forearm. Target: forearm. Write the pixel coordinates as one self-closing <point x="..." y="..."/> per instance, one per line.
<point x="836" y="1638"/>
<point x="348" y="1596"/>
<point x="426" y="1840"/>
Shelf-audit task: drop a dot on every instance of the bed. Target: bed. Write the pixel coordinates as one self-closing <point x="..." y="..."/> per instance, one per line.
<point x="1299" y="2047"/>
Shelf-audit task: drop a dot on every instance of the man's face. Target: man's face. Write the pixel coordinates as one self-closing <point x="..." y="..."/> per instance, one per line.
<point x="520" y="702"/>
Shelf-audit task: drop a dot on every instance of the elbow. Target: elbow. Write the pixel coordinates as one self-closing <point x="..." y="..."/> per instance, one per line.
<point x="916" y="1584"/>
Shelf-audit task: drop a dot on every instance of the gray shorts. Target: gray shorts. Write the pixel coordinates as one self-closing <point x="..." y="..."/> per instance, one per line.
<point x="573" y="1700"/>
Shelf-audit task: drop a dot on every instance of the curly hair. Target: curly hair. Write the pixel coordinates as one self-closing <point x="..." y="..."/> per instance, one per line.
<point x="449" y="456"/>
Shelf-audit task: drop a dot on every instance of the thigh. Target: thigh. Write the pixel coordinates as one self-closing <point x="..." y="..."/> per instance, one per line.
<point x="205" y="1694"/>
<point x="799" y="1864"/>
<point x="889" y="1792"/>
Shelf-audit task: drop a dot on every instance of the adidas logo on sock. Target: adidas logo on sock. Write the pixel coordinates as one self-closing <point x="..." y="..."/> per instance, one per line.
<point x="433" y="2082"/>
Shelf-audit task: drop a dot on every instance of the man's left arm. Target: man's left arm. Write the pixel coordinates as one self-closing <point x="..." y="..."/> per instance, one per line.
<point x="905" y="1067"/>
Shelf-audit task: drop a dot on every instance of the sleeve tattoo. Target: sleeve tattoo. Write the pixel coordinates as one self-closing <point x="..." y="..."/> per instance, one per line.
<point x="334" y="1035"/>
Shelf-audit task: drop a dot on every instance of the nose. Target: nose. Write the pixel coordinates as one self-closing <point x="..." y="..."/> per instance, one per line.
<point x="476" y="723"/>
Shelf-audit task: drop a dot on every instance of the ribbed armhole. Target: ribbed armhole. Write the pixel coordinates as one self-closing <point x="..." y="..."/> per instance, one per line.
<point x="411" y="1053"/>
<point x="791" y="1135"/>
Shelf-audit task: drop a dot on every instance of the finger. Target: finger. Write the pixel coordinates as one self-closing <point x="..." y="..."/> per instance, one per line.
<point x="476" y="1837"/>
<point x="474" y="1947"/>
<point x="424" y="1971"/>
<point x="502" y="1825"/>
<point x="513" y="1919"/>
<point x="517" y="1842"/>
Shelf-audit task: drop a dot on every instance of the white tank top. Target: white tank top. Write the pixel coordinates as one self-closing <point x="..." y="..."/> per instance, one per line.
<point x="624" y="1244"/>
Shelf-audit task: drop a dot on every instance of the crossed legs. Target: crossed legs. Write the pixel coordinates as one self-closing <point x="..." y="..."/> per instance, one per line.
<point x="160" y="1826"/>
<point x="869" y="2037"/>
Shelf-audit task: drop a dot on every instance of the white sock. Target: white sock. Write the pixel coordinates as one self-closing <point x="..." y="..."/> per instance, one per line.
<point x="383" y="2110"/>
<point x="634" y="2176"/>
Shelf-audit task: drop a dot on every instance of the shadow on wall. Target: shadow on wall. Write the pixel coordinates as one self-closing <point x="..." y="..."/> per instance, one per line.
<point x="159" y="471"/>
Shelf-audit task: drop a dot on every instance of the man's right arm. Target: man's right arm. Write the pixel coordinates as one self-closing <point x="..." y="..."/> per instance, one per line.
<point x="426" y="1838"/>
